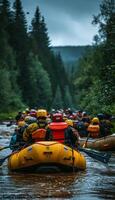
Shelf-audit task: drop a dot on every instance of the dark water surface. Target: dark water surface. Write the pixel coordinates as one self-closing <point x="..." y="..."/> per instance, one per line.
<point x="97" y="182"/>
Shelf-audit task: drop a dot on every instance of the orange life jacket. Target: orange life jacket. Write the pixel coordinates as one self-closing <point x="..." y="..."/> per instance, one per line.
<point x="94" y="130"/>
<point x="58" y="130"/>
<point x="39" y="134"/>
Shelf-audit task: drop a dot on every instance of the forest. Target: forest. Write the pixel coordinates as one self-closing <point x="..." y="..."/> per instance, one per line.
<point x="94" y="81"/>
<point x="31" y="75"/>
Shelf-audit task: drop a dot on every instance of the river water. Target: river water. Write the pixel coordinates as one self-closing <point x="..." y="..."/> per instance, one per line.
<point x="97" y="182"/>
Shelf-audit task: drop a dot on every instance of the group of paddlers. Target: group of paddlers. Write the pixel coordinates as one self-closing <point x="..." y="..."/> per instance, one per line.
<point x="64" y="126"/>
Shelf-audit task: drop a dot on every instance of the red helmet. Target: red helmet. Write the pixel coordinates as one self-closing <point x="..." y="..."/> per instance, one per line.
<point x="57" y="117"/>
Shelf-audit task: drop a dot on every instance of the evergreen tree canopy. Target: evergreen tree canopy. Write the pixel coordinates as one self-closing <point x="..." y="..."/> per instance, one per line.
<point x="57" y="102"/>
<point x="30" y="70"/>
<point x="38" y="88"/>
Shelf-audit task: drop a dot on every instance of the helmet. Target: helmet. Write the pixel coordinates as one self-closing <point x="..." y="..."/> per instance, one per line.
<point x="41" y="113"/>
<point x="30" y="119"/>
<point x="69" y="122"/>
<point x="27" y="110"/>
<point x="95" y="120"/>
<point x="23" y="112"/>
<point x="32" y="113"/>
<point x="84" y="114"/>
<point x="57" y="117"/>
<point x="21" y="123"/>
<point x="100" y="116"/>
<point x="32" y="127"/>
<point x="65" y="117"/>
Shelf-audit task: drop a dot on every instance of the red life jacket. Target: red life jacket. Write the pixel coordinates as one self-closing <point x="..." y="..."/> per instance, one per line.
<point x="58" y="130"/>
<point x="94" y="130"/>
<point x="39" y="135"/>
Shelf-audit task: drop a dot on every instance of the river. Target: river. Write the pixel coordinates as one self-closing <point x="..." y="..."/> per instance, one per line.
<point x="97" y="182"/>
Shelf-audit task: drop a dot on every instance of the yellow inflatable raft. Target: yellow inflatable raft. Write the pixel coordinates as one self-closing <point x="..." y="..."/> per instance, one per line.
<point x="47" y="157"/>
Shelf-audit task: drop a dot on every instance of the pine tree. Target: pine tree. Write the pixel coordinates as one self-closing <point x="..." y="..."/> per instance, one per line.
<point x="7" y="61"/>
<point x="61" y="74"/>
<point x="38" y="88"/>
<point x="5" y="91"/>
<point x="36" y="33"/>
<point x="5" y="15"/>
<point x="44" y="35"/>
<point x="106" y="21"/>
<point x="57" y="102"/>
<point x="68" y="103"/>
<point x="19" y="28"/>
<point x="20" y="43"/>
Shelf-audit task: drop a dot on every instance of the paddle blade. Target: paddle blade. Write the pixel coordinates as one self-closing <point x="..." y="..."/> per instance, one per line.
<point x="2" y="148"/>
<point x="2" y="160"/>
<point x="100" y="156"/>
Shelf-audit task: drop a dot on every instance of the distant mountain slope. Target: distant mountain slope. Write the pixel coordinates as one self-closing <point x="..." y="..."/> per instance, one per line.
<point x="70" y="54"/>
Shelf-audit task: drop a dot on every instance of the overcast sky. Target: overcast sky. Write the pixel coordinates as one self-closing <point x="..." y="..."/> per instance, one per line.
<point x="68" y="21"/>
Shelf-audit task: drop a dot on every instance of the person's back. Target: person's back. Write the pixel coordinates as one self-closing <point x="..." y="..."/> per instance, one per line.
<point x="56" y="129"/>
<point x="36" y="131"/>
<point x="18" y="116"/>
<point x="71" y="135"/>
<point x="17" y="137"/>
<point x="94" y="128"/>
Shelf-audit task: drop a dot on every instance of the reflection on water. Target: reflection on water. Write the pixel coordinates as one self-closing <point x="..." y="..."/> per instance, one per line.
<point x="96" y="183"/>
<point x="38" y="186"/>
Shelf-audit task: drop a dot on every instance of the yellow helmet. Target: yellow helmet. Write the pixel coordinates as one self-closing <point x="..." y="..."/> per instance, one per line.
<point x="27" y="118"/>
<point x="21" y="123"/>
<point x="95" y="120"/>
<point x="69" y="122"/>
<point x="32" y="127"/>
<point x="41" y="113"/>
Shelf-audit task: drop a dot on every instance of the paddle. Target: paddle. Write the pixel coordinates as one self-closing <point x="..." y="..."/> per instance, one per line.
<point x="3" y="159"/>
<point x="2" y="148"/>
<point x="73" y="159"/>
<point x="11" y="146"/>
<point x="100" y="156"/>
<point x="85" y="143"/>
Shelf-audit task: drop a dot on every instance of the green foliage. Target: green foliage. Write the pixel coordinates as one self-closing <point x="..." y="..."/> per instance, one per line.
<point x="38" y="90"/>
<point x="5" y="90"/>
<point x="68" y="102"/>
<point x="40" y="45"/>
<point x="19" y="37"/>
<point x="30" y="73"/>
<point x="94" y="80"/>
<point x="91" y="92"/>
<point x="9" y="115"/>
<point x="5" y="15"/>
<point x="57" y="102"/>
<point x="9" y="92"/>
<point x="8" y="99"/>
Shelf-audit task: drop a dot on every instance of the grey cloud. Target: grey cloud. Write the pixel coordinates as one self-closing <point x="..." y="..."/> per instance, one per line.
<point x="68" y="21"/>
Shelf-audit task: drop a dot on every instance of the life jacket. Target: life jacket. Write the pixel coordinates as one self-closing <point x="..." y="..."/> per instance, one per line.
<point x="58" y="130"/>
<point x="94" y="130"/>
<point x="42" y="123"/>
<point x="39" y="135"/>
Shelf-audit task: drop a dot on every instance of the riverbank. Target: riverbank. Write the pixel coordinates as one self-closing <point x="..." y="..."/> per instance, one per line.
<point x="7" y="117"/>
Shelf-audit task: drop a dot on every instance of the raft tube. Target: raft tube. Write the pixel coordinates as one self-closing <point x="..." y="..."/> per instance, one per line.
<point x="102" y="144"/>
<point x="47" y="157"/>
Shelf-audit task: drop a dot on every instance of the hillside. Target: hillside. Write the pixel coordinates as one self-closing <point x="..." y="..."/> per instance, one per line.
<point x="70" y="54"/>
